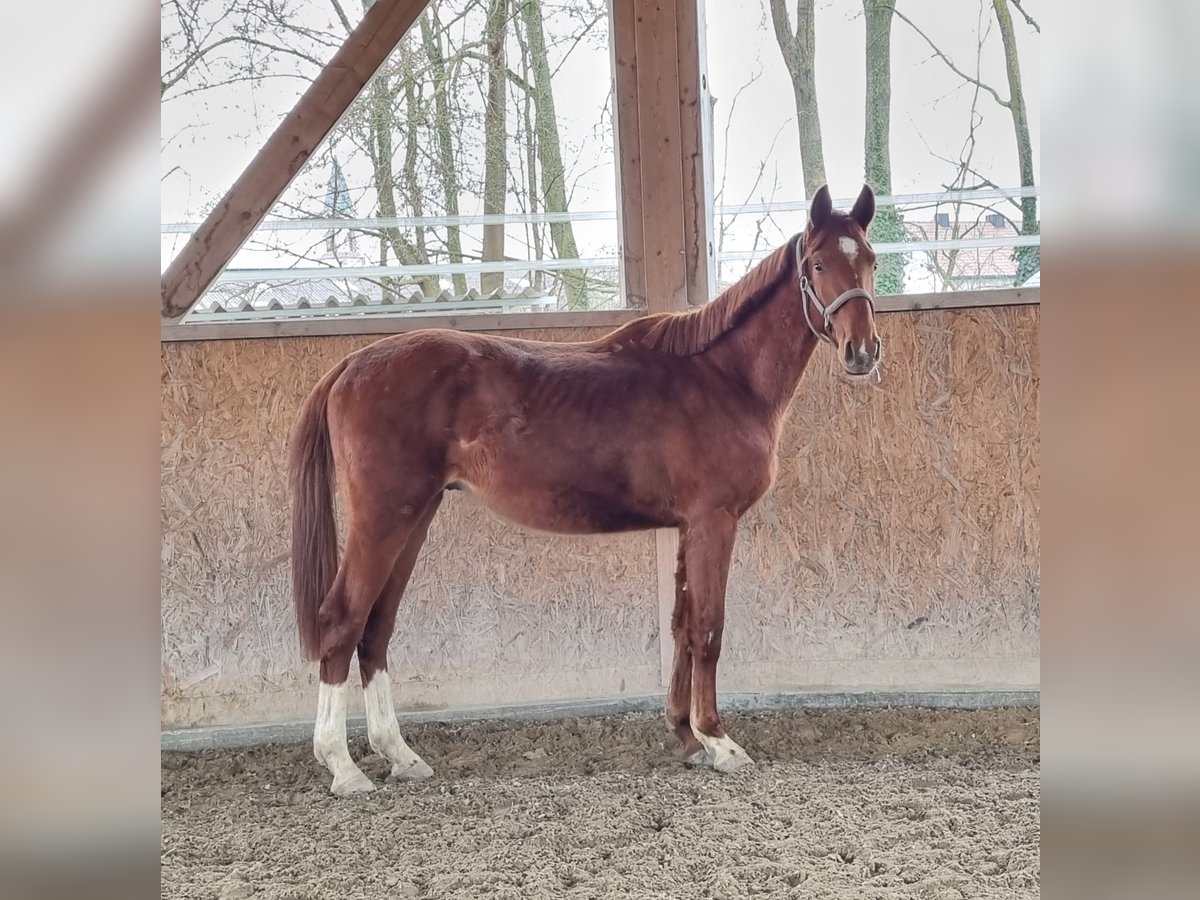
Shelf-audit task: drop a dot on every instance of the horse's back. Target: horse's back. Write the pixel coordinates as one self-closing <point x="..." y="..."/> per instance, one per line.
<point x="457" y="385"/>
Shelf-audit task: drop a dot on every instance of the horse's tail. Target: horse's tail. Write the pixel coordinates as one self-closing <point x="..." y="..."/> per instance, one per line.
<point x="314" y="528"/>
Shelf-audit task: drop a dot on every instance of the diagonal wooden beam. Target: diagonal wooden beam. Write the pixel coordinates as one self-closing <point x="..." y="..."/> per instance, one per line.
<point x="215" y="242"/>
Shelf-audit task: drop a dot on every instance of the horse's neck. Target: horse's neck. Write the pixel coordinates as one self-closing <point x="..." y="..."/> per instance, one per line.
<point x="771" y="348"/>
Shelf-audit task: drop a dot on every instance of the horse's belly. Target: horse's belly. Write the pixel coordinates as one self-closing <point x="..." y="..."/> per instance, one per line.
<point x="563" y="476"/>
<point x="567" y="494"/>
<point x="570" y="510"/>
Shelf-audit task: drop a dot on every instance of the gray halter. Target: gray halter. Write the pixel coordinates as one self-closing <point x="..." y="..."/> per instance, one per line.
<point x="826" y="312"/>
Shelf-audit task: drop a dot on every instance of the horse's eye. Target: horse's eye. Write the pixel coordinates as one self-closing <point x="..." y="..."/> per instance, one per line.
<point x="875" y="266"/>
<point x="818" y="266"/>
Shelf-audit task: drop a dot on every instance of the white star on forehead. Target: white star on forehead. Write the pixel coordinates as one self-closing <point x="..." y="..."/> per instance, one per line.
<point x="849" y="246"/>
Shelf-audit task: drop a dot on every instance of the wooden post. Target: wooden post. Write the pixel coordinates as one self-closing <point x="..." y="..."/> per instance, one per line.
<point x="695" y="107"/>
<point x="665" y="157"/>
<point x="283" y="155"/>
<point x="662" y="116"/>
<point x="623" y="39"/>
<point x="661" y="145"/>
<point x="666" y="551"/>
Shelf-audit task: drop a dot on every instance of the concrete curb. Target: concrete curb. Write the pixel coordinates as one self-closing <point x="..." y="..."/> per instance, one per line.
<point x="240" y="736"/>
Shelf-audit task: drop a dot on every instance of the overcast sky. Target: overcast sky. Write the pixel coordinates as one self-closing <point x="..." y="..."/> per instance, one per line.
<point x="210" y="138"/>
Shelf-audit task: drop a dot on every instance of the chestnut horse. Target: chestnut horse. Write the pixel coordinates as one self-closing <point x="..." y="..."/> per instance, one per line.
<point x="671" y="421"/>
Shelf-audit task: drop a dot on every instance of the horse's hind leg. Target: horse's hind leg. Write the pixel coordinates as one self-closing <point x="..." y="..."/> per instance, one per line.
<point x="361" y="577"/>
<point x="379" y="535"/>
<point x="383" y="730"/>
<point x="679" y="691"/>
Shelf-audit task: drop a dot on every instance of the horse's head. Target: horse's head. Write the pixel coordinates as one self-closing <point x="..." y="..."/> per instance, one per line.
<point x="837" y="280"/>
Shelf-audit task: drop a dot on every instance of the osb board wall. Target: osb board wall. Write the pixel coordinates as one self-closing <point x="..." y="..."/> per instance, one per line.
<point x="898" y="548"/>
<point x="900" y="542"/>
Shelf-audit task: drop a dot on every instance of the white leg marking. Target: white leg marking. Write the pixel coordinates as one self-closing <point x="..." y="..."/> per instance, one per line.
<point x="383" y="731"/>
<point x="849" y="246"/>
<point x="329" y="742"/>
<point x="723" y="753"/>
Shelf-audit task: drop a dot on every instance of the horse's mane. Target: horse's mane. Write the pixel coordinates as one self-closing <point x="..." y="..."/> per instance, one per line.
<point x="694" y="331"/>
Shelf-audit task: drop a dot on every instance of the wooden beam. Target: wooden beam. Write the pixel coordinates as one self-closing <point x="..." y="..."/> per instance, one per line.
<point x="695" y="116"/>
<point x="660" y="144"/>
<point x="664" y="152"/>
<point x="626" y="134"/>
<point x="349" y="324"/>
<point x="666" y="552"/>
<point x="239" y="212"/>
<point x="334" y="325"/>
<point x="1022" y="296"/>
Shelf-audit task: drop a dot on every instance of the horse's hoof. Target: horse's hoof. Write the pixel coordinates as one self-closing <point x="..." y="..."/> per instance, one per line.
<point x="727" y="756"/>
<point x="353" y="783"/>
<point x="732" y="762"/>
<point x="415" y="770"/>
<point x="698" y="760"/>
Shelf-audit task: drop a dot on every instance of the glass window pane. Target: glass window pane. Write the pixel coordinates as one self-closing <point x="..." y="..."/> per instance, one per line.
<point x="964" y="176"/>
<point x="475" y="173"/>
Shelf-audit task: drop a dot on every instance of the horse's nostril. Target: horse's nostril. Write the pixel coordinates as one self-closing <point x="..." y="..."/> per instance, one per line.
<point x="849" y="352"/>
<point x="878" y="347"/>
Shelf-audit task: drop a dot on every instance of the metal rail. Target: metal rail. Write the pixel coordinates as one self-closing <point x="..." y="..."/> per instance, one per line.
<point x="520" y="218"/>
<point x="361" y="319"/>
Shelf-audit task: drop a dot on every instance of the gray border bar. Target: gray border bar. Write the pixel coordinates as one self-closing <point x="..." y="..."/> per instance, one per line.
<point x="228" y="737"/>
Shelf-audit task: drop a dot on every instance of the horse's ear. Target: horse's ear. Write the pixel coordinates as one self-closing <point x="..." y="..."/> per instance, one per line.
<point x="864" y="207"/>
<point x="820" y="209"/>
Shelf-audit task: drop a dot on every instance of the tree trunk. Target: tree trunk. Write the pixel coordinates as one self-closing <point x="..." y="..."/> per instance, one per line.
<point x="431" y="286"/>
<point x="1028" y="258"/>
<point x="537" y="232"/>
<point x="495" y="134"/>
<point x="380" y="145"/>
<point x="887" y="226"/>
<point x="554" y="181"/>
<point x="443" y="130"/>
<point x="381" y="149"/>
<point x="799" y="55"/>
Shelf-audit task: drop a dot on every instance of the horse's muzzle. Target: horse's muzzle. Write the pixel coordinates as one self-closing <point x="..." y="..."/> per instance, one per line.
<point x="863" y="357"/>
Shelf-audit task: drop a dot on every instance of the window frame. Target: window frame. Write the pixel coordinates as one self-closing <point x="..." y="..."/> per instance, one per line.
<point x="664" y="198"/>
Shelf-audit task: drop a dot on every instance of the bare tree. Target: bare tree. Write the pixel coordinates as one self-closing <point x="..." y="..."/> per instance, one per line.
<point x="554" y="175"/>
<point x="963" y="268"/>
<point x="495" y="139"/>
<point x="472" y="67"/>
<point x="1027" y="17"/>
<point x="205" y="45"/>
<point x="887" y="226"/>
<point x="447" y="168"/>
<point x="725" y="223"/>
<point x="799" y="55"/>
<point x="1028" y="258"/>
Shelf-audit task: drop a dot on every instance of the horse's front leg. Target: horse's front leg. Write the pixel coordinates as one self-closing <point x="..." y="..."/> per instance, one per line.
<point x="679" y="691"/>
<point x="707" y="554"/>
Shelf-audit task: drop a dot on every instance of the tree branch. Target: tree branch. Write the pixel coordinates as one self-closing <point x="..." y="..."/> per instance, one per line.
<point x="1026" y="16"/>
<point x="512" y="76"/>
<point x="587" y="29"/>
<point x="949" y="62"/>
<point x="783" y="31"/>
<point x="341" y="14"/>
<point x="180" y="70"/>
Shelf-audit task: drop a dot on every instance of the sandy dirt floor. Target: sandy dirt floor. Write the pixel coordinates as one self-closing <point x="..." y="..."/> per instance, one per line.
<point x="867" y="803"/>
